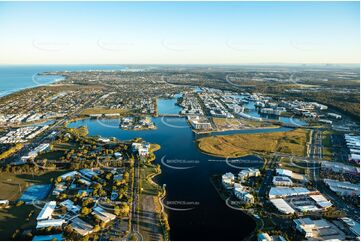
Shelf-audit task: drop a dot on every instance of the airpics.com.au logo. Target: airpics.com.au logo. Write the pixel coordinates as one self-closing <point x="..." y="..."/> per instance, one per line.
<point x="234" y="204"/>
<point x="310" y="165"/>
<point x="173" y="123"/>
<point x="240" y="163"/>
<point x="50" y="45"/>
<point x="109" y="123"/>
<point x="243" y="46"/>
<point x="179" y="164"/>
<point x="308" y="46"/>
<point x="179" y="205"/>
<point x="180" y="46"/>
<point x="116" y="46"/>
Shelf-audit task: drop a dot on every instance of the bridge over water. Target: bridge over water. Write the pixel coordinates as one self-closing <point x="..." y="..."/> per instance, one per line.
<point x="172" y="115"/>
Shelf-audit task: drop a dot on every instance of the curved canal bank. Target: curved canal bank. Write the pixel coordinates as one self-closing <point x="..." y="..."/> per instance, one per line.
<point x="195" y="210"/>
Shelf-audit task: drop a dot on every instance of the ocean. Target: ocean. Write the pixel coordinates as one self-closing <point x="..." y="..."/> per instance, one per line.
<point x="17" y="77"/>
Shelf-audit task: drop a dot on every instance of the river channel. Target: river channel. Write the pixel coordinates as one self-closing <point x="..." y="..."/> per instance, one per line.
<point x="196" y="211"/>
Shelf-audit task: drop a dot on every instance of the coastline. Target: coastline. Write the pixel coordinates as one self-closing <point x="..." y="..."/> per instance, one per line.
<point x="7" y="93"/>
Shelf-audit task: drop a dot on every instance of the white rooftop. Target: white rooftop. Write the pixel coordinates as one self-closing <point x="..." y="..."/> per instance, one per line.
<point x="47" y="211"/>
<point x="282" y="206"/>
<point x="287" y="191"/>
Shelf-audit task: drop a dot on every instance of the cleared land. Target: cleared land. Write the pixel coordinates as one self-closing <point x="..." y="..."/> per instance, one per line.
<point x="327" y="145"/>
<point x="237" y="145"/>
<point x="229" y="124"/>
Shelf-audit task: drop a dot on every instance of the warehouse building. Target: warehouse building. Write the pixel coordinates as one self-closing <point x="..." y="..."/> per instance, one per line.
<point x="282" y="206"/>
<point x="277" y="192"/>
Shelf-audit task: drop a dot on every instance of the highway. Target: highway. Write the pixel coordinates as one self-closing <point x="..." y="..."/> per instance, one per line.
<point x="313" y="172"/>
<point x="267" y="180"/>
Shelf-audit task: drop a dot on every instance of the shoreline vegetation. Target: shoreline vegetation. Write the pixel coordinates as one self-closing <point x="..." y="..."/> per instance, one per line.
<point x="152" y="193"/>
<point x="238" y="145"/>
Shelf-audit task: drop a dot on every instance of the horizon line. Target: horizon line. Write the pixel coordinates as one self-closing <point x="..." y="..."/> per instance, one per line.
<point x="187" y="64"/>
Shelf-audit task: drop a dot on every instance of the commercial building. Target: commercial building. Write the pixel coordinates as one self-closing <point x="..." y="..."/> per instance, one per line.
<point x="200" y="123"/>
<point x="271" y="111"/>
<point x="228" y="180"/>
<point x="340" y="167"/>
<point x="291" y="174"/>
<point x="282" y="206"/>
<point x="343" y="188"/>
<point x="241" y="193"/>
<point x="34" y="153"/>
<point x="141" y="148"/>
<point x="59" y="188"/>
<point x="70" y="174"/>
<point x="353" y="226"/>
<point x="103" y="215"/>
<point x="353" y="144"/>
<point x="301" y="203"/>
<point x="70" y="207"/>
<point x="278" y="192"/>
<point x="321" y="201"/>
<point x="319" y="229"/>
<point x="88" y="173"/>
<point x="247" y="173"/>
<point x="284" y="172"/>
<point x="282" y="181"/>
<point x="50" y="223"/>
<point x="81" y="227"/>
<point x="334" y="115"/>
<point x="47" y="211"/>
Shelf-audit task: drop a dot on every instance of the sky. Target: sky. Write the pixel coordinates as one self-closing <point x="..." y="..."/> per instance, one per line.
<point x="179" y="32"/>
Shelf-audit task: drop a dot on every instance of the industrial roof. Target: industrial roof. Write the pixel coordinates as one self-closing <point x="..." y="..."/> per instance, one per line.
<point x="287" y="191"/>
<point x="47" y="211"/>
<point x="282" y="206"/>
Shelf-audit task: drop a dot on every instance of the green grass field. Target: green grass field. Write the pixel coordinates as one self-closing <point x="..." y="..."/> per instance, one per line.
<point x="11" y="184"/>
<point x="13" y="218"/>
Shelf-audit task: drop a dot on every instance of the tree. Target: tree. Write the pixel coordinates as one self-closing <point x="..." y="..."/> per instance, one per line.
<point x="19" y="203"/>
<point x="124" y="209"/>
<point x="102" y="193"/>
<point x="126" y="176"/>
<point x="108" y="176"/>
<point x="96" y="228"/>
<point x="62" y="196"/>
<point x="117" y="210"/>
<point x="87" y="202"/>
<point x="97" y="186"/>
<point x="84" y="211"/>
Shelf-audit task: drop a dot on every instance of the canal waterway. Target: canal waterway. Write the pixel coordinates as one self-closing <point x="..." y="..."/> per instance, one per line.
<point x="195" y="209"/>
